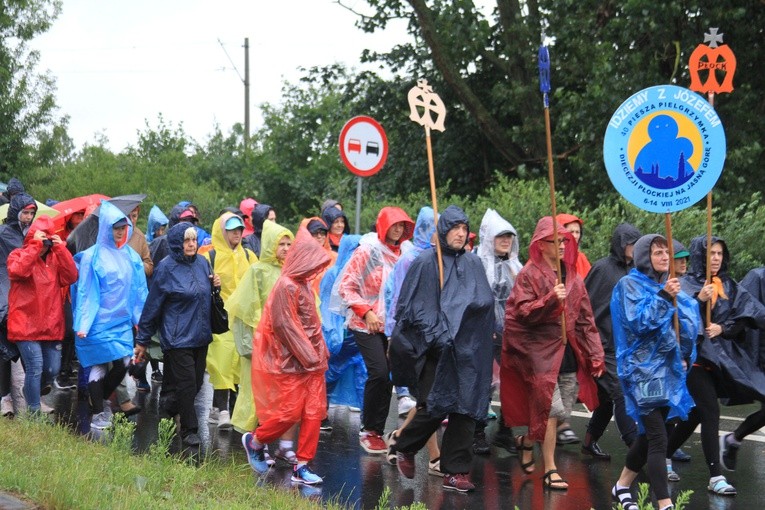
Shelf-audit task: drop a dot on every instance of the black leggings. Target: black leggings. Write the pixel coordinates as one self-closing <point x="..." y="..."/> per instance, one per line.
<point x="648" y="450"/>
<point x="701" y="386"/>
<point x="752" y="423"/>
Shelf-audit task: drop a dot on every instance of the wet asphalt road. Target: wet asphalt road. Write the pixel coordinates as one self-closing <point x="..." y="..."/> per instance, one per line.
<point x="357" y="479"/>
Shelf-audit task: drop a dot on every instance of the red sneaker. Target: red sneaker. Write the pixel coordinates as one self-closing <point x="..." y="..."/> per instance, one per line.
<point x="372" y="442"/>
<point x="459" y="482"/>
<point x="405" y="463"/>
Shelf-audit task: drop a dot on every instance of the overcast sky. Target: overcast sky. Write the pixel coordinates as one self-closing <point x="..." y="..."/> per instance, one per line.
<point x="119" y="64"/>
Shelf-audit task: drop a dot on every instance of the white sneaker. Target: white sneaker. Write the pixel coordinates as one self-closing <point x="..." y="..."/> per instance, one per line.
<point x="101" y="421"/>
<point x="6" y="406"/>
<point x="405" y="404"/>
<point x="108" y="408"/>
<point x="224" y="421"/>
<point x="214" y="415"/>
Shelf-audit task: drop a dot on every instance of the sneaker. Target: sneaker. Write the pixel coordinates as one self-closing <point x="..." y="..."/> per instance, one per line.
<point x="63" y="383"/>
<point x="459" y="482"/>
<point x="405" y="464"/>
<point x="491" y="415"/>
<point x="287" y="456"/>
<point x="372" y="442"/>
<point x="390" y="441"/>
<point x="224" y="421"/>
<point x="405" y="404"/>
<point x="156" y="376"/>
<point x="101" y="421"/>
<point x="480" y="445"/>
<point x="434" y="467"/>
<point x="108" y="407"/>
<point x="6" y="406"/>
<point x="191" y="439"/>
<point x="567" y="436"/>
<point x="303" y="474"/>
<point x="728" y="452"/>
<point x="325" y="426"/>
<point x="255" y="456"/>
<point x="45" y="408"/>
<point x="721" y="486"/>
<point x="214" y="415"/>
<point x="681" y="456"/>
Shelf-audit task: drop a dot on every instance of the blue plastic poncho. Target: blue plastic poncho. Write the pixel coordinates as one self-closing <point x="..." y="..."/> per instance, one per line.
<point x="648" y="357"/>
<point x="424" y="229"/>
<point x="156" y="219"/>
<point x="347" y="373"/>
<point x="108" y="297"/>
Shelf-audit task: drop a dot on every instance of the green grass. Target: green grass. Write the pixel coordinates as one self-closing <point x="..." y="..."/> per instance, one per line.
<point x="49" y="466"/>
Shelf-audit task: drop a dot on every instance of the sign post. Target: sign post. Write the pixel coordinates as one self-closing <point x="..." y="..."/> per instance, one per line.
<point x="364" y="150"/>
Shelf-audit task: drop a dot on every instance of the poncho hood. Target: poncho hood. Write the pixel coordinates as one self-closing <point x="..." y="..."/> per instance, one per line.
<point x="698" y="260"/>
<point x="642" y="257"/>
<point x="450" y="218"/>
<point x="269" y="242"/>
<point x="544" y="230"/>
<point x="624" y="235"/>
<point x="19" y="201"/>
<point x="156" y="219"/>
<point x="389" y="216"/>
<point x="43" y="223"/>
<point x="107" y="217"/>
<point x="258" y="217"/>
<point x="424" y="228"/>
<point x="491" y="226"/>
<point x="175" y="237"/>
<point x="330" y="214"/>
<point x="305" y="259"/>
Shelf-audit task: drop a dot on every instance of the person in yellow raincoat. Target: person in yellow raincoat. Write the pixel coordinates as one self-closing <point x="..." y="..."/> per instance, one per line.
<point x="244" y="307"/>
<point x="230" y="261"/>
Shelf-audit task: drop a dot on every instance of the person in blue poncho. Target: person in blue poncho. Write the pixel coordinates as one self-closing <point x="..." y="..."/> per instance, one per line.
<point x="157" y="224"/>
<point x="107" y="300"/>
<point x="347" y="373"/>
<point x="652" y="362"/>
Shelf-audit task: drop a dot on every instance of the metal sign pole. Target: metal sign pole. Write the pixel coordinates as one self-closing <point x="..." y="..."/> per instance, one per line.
<point x="358" y="205"/>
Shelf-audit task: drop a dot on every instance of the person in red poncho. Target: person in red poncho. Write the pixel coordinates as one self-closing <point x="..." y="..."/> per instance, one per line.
<point x="576" y="226"/>
<point x="37" y="272"/>
<point x="539" y="371"/>
<point x="289" y="359"/>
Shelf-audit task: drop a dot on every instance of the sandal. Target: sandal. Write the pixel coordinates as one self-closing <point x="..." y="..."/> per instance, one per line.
<point x="721" y="487"/>
<point x="555" y="485"/>
<point x="527" y="467"/>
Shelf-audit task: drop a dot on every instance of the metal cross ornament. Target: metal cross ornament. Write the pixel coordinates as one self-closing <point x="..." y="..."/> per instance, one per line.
<point x="423" y="104"/>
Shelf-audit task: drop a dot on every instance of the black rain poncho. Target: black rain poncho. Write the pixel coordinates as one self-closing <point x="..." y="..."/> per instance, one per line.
<point x="454" y="324"/>
<point x="737" y="375"/>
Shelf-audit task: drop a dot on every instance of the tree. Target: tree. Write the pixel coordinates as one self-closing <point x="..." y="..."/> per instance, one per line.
<point x="27" y="104"/>
<point x="602" y="52"/>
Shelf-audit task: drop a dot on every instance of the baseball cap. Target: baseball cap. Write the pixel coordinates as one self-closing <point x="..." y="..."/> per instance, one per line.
<point x="234" y="222"/>
<point x="120" y="223"/>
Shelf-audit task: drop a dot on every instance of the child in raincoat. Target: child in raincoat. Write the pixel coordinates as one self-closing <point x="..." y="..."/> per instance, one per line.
<point x="289" y="359"/>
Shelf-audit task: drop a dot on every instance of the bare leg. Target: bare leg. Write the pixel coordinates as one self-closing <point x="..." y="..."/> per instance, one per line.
<point x="548" y="452"/>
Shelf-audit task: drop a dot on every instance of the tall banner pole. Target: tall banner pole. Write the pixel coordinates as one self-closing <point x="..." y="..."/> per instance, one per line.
<point x="544" y="87"/>
<point x="672" y="274"/>
<point x="707" y="58"/>
<point x="422" y="102"/>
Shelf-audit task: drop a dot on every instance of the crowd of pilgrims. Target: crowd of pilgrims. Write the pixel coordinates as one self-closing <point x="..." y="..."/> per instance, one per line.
<point x="322" y="317"/>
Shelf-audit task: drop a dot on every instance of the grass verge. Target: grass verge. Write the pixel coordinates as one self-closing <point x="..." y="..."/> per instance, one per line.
<point x="48" y="465"/>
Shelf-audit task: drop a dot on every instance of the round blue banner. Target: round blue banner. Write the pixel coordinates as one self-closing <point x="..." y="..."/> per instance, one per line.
<point x="664" y="148"/>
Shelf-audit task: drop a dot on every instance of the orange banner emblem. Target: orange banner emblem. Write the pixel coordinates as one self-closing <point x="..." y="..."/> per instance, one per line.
<point x="715" y="62"/>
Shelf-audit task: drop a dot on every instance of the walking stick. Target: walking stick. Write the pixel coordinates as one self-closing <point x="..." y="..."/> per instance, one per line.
<point x="668" y="228"/>
<point x="544" y="87"/>
<point x="423" y="101"/>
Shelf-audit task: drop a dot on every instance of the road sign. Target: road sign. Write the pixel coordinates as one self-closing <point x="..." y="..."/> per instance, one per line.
<point x="664" y="148"/>
<point x="363" y="146"/>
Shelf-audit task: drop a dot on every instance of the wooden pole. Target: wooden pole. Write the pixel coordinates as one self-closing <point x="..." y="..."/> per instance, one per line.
<point x="433" y="198"/>
<point x="668" y="228"/>
<point x="711" y="99"/>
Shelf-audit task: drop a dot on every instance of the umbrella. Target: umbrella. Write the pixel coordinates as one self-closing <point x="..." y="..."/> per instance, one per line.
<point x="84" y="236"/>
<point x="42" y="210"/>
<point x="67" y="208"/>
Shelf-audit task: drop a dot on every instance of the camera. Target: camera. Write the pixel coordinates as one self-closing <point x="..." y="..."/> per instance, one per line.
<point x="47" y="242"/>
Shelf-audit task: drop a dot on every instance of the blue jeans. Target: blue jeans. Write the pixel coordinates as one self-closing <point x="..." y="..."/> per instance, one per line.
<point x="42" y="362"/>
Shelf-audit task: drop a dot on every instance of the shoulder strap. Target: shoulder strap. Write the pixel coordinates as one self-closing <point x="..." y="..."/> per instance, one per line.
<point x="212" y="259"/>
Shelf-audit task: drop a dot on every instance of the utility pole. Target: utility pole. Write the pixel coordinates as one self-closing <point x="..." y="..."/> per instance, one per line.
<point x="246" y="92"/>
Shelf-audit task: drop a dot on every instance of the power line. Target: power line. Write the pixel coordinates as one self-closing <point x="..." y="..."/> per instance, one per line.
<point x="232" y="62"/>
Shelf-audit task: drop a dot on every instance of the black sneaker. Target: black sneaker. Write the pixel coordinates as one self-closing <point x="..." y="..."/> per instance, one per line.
<point x="480" y="446"/>
<point x="325" y="426"/>
<point x="728" y="453"/>
<point x="62" y="382"/>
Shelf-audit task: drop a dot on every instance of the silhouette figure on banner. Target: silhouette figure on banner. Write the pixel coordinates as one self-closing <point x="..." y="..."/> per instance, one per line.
<point x="663" y="162"/>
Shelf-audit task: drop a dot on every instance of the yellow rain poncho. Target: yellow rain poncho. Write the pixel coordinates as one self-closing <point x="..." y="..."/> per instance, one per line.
<point x="244" y="307"/>
<point x="230" y="264"/>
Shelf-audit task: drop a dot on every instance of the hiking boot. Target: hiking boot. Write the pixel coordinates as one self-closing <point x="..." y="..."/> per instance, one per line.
<point x="480" y="446"/>
<point x="304" y="474"/>
<point x="405" y="464"/>
<point x="372" y="442"/>
<point x="224" y="421"/>
<point x="728" y="453"/>
<point x="405" y="404"/>
<point x="459" y="482"/>
<point x="255" y="456"/>
<point x="101" y="421"/>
